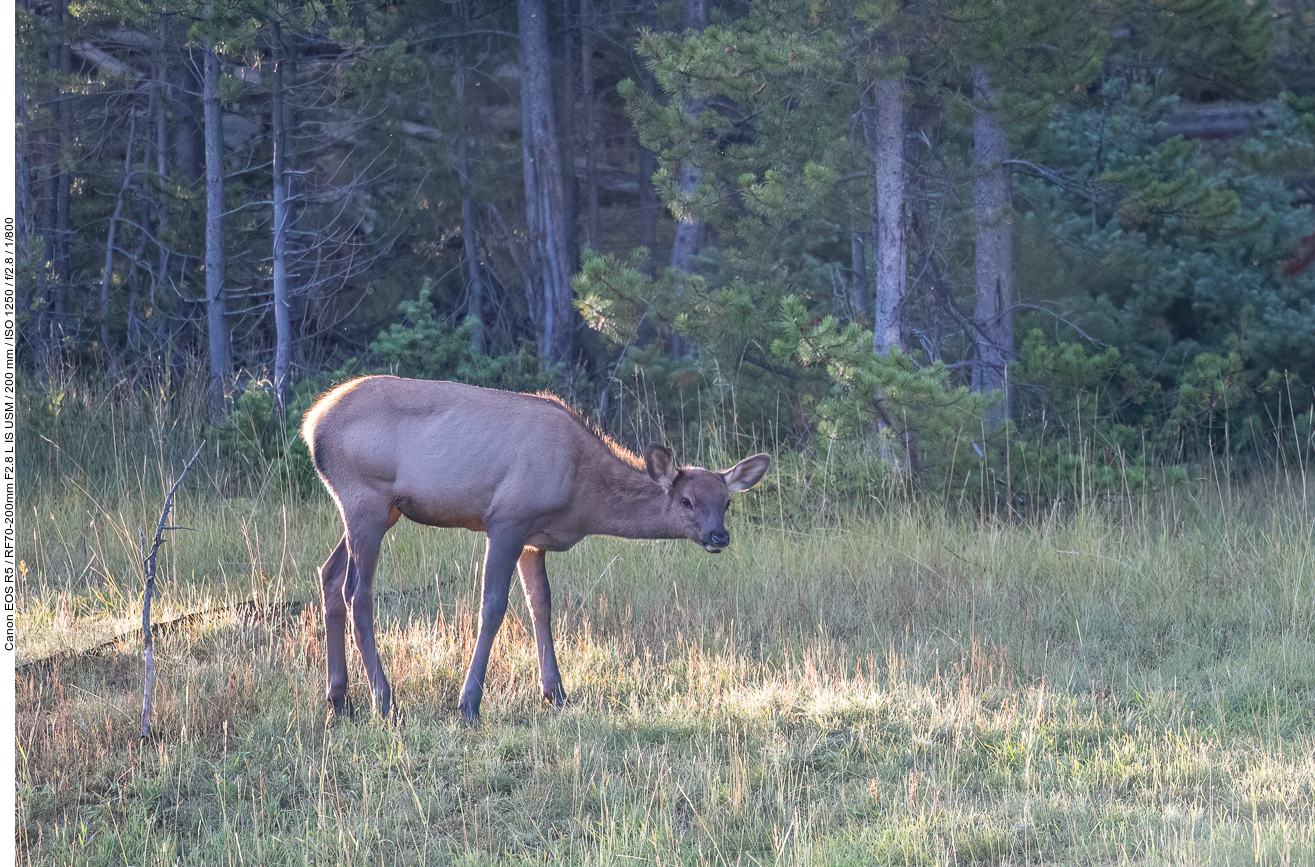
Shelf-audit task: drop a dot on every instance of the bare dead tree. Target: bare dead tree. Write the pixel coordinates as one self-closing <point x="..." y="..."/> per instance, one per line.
<point x="148" y="571"/>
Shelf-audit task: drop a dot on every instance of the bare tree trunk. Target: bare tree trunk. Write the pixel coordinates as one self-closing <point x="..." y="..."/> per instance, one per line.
<point x="174" y="319"/>
<point x="689" y="229"/>
<point x="217" y="327"/>
<point x="929" y="283"/>
<point x="648" y="198"/>
<point x="994" y="255"/>
<point x="859" y="296"/>
<point x="882" y="107"/>
<point x="545" y="208"/>
<point x="63" y="193"/>
<point x="25" y="227"/>
<point x="592" y="228"/>
<point x="883" y="125"/>
<point x="648" y="208"/>
<point x="160" y="207"/>
<point x="132" y="322"/>
<point x="110" y="234"/>
<point x="469" y="238"/>
<point x="24" y="217"/>
<point x="282" y="293"/>
<point x="58" y="272"/>
<point x="188" y="144"/>
<point x="563" y="86"/>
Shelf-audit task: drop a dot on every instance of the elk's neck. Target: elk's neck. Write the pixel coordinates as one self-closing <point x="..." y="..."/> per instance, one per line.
<point x="630" y="505"/>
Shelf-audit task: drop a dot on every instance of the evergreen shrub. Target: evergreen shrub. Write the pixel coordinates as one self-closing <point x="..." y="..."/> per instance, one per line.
<point x="424" y="345"/>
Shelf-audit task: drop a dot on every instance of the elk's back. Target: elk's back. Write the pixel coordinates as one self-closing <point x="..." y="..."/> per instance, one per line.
<point x="445" y="453"/>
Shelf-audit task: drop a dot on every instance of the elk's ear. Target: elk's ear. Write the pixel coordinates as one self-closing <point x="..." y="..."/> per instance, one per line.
<point x="746" y="473"/>
<point x="661" y="466"/>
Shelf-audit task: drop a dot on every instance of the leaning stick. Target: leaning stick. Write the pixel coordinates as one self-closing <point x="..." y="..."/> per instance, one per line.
<point x="148" y="569"/>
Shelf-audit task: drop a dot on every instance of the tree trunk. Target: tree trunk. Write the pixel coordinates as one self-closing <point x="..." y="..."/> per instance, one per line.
<point x="648" y="197"/>
<point x="689" y="229"/>
<point x="593" y="230"/>
<point x="859" y="297"/>
<point x="563" y="87"/>
<point x="937" y="308"/>
<point x="545" y="209"/>
<point x="217" y="327"/>
<point x="994" y="256"/>
<point x="282" y="293"/>
<point x="164" y="326"/>
<point x="57" y="223"/>
<point x="63" y="193"/>
<point x="24" y="210"/>
<point x="883" y="125"/>
<point x="882" y="105"/>
<point x="649" y="207"/>
<point x="107" y="270"/>
<point x="132" y="322"/>
<point x="469" y="241"/>
<point x="188" y="142"/>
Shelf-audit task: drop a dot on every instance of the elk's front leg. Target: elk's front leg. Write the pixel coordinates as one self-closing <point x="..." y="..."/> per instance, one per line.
<point x="499" y="562"/>
<point x="534" y="578"/>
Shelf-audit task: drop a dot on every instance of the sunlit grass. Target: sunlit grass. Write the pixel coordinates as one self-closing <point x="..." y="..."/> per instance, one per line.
<point x="1124" y="681"/>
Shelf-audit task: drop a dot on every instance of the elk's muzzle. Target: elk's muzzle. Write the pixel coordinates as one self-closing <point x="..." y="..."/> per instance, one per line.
<point x="716" y="540"/>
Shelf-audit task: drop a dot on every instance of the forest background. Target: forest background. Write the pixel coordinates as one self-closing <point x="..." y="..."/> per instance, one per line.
<point x="1044" y="264"/>
<point x="989" y="242"/>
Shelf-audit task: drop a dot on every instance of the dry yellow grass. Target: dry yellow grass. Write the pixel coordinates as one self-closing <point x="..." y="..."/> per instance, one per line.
<point x="1130" y="681"/>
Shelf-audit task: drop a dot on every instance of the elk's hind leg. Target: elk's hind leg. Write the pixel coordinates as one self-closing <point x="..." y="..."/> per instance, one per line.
<point x="365" y="534"/>
<point x="333" y="575"/>
<point x="538" y="595"/>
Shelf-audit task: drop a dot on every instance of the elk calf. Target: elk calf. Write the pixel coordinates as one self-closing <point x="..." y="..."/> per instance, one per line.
<point x="522" y="468"/>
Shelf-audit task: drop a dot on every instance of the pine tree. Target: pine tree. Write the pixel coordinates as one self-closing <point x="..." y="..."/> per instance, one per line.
<point x="550" y="263"/>
<point x="215" y="258"/>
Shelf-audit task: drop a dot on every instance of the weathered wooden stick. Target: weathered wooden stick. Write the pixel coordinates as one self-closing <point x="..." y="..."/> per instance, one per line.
<point x="148" y="570"/>
<point x="149" y="680"/>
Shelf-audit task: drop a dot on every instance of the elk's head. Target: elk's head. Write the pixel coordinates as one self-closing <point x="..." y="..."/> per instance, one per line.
<point x="698" y="498"/>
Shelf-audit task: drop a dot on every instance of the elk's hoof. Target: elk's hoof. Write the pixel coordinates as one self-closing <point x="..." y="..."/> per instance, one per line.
<point x="341" y="707"/>
<point x="468" y="704"/>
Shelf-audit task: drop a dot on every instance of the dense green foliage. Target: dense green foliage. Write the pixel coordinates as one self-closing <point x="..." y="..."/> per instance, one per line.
<point x="1161" y="179"/>
<point x="423" y="345"/>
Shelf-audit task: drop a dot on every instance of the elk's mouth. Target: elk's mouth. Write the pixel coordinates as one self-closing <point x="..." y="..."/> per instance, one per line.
<point x="713" y="549"/>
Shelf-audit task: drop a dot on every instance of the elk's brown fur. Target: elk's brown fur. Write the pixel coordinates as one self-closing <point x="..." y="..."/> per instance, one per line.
<point x="522" y="468"/>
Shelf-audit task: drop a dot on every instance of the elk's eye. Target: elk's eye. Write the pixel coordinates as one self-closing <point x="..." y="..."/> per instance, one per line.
<point x="684" y="501"/>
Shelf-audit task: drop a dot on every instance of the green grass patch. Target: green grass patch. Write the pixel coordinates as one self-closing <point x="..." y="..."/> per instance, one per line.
<point x="1122" y="681"/>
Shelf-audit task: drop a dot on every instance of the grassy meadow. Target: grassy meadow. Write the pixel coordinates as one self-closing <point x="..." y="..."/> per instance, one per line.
<point x="1126" y="680"/>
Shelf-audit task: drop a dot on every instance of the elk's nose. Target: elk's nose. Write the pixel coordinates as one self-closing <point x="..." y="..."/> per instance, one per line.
<point x="719" y="538"/>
